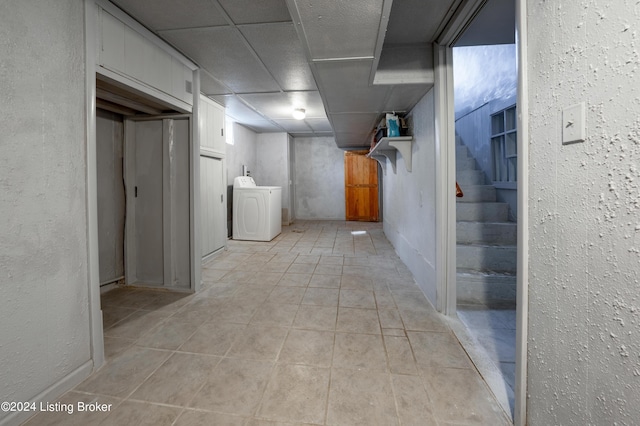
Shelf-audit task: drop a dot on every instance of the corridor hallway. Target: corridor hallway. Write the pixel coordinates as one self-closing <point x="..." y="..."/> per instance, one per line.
<point x="319" y="326"/>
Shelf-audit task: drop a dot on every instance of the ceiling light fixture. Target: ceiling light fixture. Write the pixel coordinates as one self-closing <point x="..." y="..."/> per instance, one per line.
<point x="299" y="113"/>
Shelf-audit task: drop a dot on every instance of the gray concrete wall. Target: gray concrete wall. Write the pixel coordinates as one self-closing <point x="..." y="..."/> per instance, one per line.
<point x="410" y="200"/>
<point x="44" y="315"/>
<point x="272" y="165"/>
<point x="584" y="209"/>
<point x="319" y="174"/>
<point x="243" y="151"/>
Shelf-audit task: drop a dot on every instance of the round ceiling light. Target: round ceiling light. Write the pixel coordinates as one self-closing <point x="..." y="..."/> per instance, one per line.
<point x="299" y="113"/>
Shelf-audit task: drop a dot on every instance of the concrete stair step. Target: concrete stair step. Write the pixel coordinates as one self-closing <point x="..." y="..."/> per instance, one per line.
<point x="477" y="193"/>
<point x="482" y="212"/>
<point x="487" y="233"/>
<point x="494" y="290"/>
<point x="470" y="177"/>
<point x="465" y="163"/>
<point x="462" y="152"/>
<point x="486" y="258"/>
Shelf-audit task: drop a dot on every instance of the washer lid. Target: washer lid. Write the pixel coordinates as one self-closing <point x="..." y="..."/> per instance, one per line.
<point x="244" y="182"/>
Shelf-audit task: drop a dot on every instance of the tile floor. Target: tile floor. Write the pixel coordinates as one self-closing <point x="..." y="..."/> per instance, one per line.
<point x="495" y="331"/>
<point x="317" y="327"/>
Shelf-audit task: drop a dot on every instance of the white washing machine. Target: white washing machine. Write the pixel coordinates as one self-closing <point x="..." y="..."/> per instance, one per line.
<point x="257" y="210"/>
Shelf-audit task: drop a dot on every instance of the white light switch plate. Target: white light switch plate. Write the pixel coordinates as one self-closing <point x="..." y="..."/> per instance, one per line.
<point x="573" y="124"/>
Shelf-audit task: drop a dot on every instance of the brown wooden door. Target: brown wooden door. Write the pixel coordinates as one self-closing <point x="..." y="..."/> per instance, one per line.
<point x="360" y="187"/>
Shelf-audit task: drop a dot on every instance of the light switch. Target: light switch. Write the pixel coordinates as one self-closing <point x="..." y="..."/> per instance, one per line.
<point x="573" y="124"/>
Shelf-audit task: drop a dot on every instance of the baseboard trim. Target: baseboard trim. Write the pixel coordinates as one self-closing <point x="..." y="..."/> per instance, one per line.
<point x="52" y="393"/>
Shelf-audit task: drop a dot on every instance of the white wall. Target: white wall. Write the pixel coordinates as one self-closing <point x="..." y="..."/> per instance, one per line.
<point x="584" y="277"/>
<point x="44" y="315"/>
<point x="409" y="200"/>
<point x="272" y="165"/>
<point x="319" y="174"/>
<point x="243" y="151"/>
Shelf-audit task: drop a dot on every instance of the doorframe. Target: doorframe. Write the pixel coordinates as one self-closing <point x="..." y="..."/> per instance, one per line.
<point x="445" y="182"/>
<point x="96" y="331"/>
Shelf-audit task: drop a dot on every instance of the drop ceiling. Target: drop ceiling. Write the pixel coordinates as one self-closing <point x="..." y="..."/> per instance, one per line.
<point x="345" y="62"/>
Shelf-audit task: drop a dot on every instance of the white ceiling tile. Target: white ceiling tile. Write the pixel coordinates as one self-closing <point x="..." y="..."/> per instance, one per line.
<point x="255" y="11"/>
<point x="171" y="14"/>
<point x="404" y="97"/>
<point x="281" y="105"/>
<point x="346" y="87"/>
<point x="261" y="126"/>
<point x="211" y="86"/>
<point x="415" y="21"/>
<point x="293" y="125"/>
<point x="319" y="124"/>
<point x="236" y="109"/>
<point x="223" y="53"/>
<point x="279" y="48"/>
<point x="356" y="123"/>
<point x="340" y="29"/>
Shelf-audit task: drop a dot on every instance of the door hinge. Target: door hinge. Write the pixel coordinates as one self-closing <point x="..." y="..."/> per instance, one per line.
<point x="222" y="198"/>
<point x="136" y="192"/>
<point x="221" y="132"/>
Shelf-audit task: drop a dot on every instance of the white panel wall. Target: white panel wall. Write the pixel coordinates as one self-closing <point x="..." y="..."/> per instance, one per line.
<point x="409" y="214"/>
<point x="319" y="190"/>
<point x="44" y="316"/>
<point x="584" y="207"/>
<point x="272" y="166"/>
<point x="111" y="195"/>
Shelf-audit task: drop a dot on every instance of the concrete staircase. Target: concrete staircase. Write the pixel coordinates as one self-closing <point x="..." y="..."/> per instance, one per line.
<point x="486" y="240"/>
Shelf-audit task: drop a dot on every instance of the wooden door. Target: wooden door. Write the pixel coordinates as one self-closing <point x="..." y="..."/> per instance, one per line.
<point x="360" y="187"/>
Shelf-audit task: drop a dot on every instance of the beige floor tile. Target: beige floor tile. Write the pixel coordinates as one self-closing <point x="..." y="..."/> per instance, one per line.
<point x="238" y="276"/>
<point x="308" y="347"/>
<point x="301" y="268"/>
<point x="235" y="311"/>
<point x="167" y="335"/>
<point x="192" y="315"/>
<point x="394" y="332"/>
<point x="278" y="267"/>
<point x="321" y="296"/>
<point x="114" y="345"/>
<point x="438" y="350"/>
<point x="355" y="320"/>
<point x="356" y="282"/>
<point x="331" y="260"/>
<point x="267" y="278"/>
<point x="253" y="293"/>
<point x="258" y="342"/>
<point x="287" y="295"/>
<point x="295" y="280"/>
<point x="359" y="397"/>
<point x="307" y="258"/>
<point x="400" y="356"/>
<point x="177" y="380"/>
<point x="296" y="393"/>
<point x="213" y="275"/>
<point x="136" y="324"/>
<point x="414" y="406"/>
<point x="234" y="387"/>
<point x="419" y="320"/>
<point x="202" y="418"/>
<point x="325" y="281"/>
<point x="169" y="301"/>
<point x="328" y="269"/>
<point x="275" y="314"/>
<point x="390" y="318"/>
<point x="112" y="314"/>
<point x="213" y="338"/>
<point x="357" y="299"/>
<point x="316" y="317"/>
<point x="384" y="299"/>
<point x="70" y="403"/>
<point x="125" y="372"/>
<point x="362" y="351"/>
<point x="143" y="414"/>
<point x="460" y="396"/>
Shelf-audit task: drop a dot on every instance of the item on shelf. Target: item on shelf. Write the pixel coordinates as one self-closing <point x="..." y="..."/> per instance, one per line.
<point x="393" y="126"/>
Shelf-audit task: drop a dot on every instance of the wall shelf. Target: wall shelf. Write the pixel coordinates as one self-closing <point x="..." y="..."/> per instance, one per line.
<point x="388" y="148"/>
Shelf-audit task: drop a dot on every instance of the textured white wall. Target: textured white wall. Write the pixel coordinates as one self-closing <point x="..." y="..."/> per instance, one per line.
<point x="584" y="289"/>
<point x="319" y="174"/>
<point x="44" y="317"/>
<point x="243" y="151"/>
<point x="409" y="200"/>
<point x="272" y="165"/>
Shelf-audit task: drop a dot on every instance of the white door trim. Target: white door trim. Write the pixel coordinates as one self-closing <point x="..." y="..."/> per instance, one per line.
<point x="522" y="277"/>
<point x="93" y="258"/>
